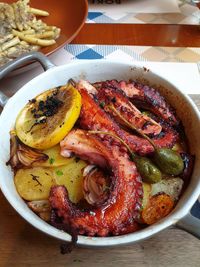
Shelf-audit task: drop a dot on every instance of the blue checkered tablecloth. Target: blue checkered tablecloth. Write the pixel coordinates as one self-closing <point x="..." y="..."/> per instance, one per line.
<point x="136" y="53"/>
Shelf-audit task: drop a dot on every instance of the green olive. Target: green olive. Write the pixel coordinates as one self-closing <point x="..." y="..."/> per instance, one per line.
<point x="148" y="171"/>
<point x="169" y="161"/>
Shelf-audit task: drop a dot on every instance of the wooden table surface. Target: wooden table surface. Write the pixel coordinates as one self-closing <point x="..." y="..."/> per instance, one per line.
<point x="22" y="245"/>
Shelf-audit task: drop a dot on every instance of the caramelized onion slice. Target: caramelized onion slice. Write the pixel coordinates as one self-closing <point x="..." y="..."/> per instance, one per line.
<point x="22" y="155"/>
<point x="39" y="205"/>
<point x="42" y="208"/>
<point x="95" y="185"/>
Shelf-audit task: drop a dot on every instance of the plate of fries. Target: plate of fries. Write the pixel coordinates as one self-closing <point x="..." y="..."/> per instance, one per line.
<point x="45" y="26"/>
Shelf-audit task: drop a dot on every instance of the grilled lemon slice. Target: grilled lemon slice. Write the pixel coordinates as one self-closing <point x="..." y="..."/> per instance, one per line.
<point x="47" y="118"/>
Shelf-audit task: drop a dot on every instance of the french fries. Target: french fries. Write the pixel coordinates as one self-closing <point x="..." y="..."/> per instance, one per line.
<point x="47" y="34"/>
<point x="22" y="31"/>
<point x="38" y="12"/>
<point x="9" y="44"/>
<point x="33" y="40"/>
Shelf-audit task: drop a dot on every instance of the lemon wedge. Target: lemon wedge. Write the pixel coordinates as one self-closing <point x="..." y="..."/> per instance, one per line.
<point x="48" y="118"/>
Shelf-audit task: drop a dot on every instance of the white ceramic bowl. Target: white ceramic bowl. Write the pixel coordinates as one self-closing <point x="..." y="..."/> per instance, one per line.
<point x="98" y="70"/>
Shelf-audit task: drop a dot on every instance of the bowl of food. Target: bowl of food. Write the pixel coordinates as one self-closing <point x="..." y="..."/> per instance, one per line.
<point x="35" y="26"/>
<point x="100" y="152"/>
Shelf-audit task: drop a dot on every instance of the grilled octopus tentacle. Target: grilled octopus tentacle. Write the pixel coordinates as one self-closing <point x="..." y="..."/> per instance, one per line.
<point x="117" y="215"/>
<point x="92" y="117"/>
<point x="144" y="123"/>
<point x="143" y="96"/>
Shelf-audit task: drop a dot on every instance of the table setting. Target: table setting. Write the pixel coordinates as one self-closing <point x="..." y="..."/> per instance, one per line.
<point x="155" y="44"/>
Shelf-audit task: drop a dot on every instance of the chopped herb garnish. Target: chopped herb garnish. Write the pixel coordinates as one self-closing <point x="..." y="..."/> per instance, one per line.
<point x="102" y="104"/>
<point x="59" y="172"/>
<point x="51" y="161"/>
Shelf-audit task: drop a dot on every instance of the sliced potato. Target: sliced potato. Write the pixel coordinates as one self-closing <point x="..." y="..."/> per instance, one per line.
<point x="55" y="159"/>
<point x="34" y="183"/>
<point x="171" y="187"/>
<point x="71" y="176"/>
<point x="158" y="199"/>
<point x="157" y="208"/>
<point x="146" y="194"/>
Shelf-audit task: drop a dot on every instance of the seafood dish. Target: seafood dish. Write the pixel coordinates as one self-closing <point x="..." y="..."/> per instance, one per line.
<point x="100" y="159"/>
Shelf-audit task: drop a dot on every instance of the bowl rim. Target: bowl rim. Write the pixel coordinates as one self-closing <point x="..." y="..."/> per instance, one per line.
<point x="171" y="219"/>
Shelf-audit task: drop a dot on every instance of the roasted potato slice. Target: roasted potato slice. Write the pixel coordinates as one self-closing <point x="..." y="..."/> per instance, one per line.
<point x="34" y="183"/>
<point x="157" y="208"/>
<point x="71" y="176"/>
<point x="146" y="194"/>
<point x="171" y="187"/>
<point x="55" y="159"/>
